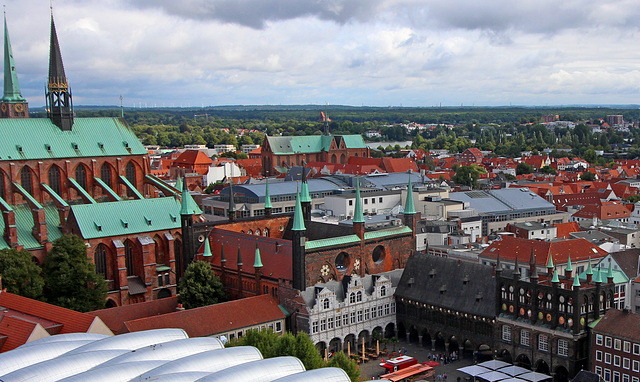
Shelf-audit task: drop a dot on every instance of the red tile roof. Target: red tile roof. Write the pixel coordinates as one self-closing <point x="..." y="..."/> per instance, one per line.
<point x="72" y="321"/>
<point x="17" y="330"/>
<point x="511" y="248"/>
<point x="398" y="164"/>
<point x="617" y="323"/>
<point x="604" y="211"/>
<point x="115" y="318"/>
<point x="214" y="319"/>
<point x="192" y="157"/>
<point x="564" y="229"/>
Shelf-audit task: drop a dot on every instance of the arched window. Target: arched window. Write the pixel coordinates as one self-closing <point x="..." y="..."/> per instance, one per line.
<point x="81" y="176"/>
<point x="359" y="296"/>
<point x="100" y="258"/>
<point x="128" y="257"/>
<point x="352" y="298"/>
<point x="250" y="232"/>
<point x="265" y="232"/>
<point x="325" y="303"/>
<point x="159" y="247"/>
<point x="25" y="179"/>
<point x="54" y="179"/>
<point x="383" y="291"/>
<point x="105" y="174"/>
<point x="1" y="184"/>
<point x="258" y="233"/>
<point x="130" y="173"/>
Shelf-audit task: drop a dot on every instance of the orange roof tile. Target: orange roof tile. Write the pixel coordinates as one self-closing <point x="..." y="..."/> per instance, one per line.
<point x="217" y="318"/>
<point x="115" y="318"/>
<point x="511" y="248"/>
<point x="564" y="229"/>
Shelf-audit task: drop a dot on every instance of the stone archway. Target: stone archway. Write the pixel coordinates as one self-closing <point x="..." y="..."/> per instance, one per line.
<point x="561" y="374"/>
<point x="390" y="330"/>
<point x="413" y="335"/>
<point x="453" y="345"/>
<point x="335" y="345"/>
<point x="467" y="351"/>
<point x="484" y="353"/>
<point x="402" y="331"/>
<point x="350" y="339"/>
<point x="164" y="293"/>
<point x="426" y="339"/>
<point x="110" y="304"/>
<point x="542" y="367"/>
<point x="523" y="361"/>
<point x="505" y="355"/>
<point x="440" y="342"/>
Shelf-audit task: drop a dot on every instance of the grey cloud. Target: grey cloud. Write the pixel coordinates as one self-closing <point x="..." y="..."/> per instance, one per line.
<point x="255" y="13"/>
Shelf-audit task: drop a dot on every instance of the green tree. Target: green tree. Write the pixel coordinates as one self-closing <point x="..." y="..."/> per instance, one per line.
<point x="590" y="156"/>
<point x="468" y="175"/>
<point x="341" y="361"/>
<point x="548" y="170"/>
<point x="20" y="275"/>
<point x="307" y="352"/>
<point x="200" y="286"/>
<point x="524" y="168"/>
<point x="631" y="198"/>
<point x="70" y="278"/>
<point x="588" y="176"/>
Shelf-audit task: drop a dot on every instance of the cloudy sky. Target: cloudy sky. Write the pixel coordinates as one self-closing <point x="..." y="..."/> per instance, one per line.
<point x="350" y="52"/>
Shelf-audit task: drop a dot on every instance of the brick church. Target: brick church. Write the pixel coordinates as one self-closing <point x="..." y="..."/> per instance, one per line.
<point x="90" y="177"/>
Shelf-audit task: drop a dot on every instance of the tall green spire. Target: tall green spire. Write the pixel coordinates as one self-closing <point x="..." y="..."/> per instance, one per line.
<point x="610" y="272"/>
<point x="596" y="276"/>
<point x="11" y="88"/>
<point x="358" y="216"/>
<point x="207" y="248"/>
<point x="555" y="278"/>
<point x="179" y="183"/>
<point x="589" y="268"/>
<point x="304" y="188"/>
<point x="569" y="268"/>
<point x="188" y="206"/>
<point x="298" y="220"/>
<point x="408" y="205"/>
<point x="267" y="197"/>
<point x="576" y="281"/>
<point x="550" y="261"/>
<point x="258" y="262"/>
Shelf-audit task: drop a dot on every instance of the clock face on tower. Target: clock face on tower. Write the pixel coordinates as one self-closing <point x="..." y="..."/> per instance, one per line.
<point x="18" y="108"/>
<point x="4" y="107"/>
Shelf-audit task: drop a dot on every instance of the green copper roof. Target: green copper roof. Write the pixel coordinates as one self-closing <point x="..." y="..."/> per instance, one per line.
<point x="39" y="138"/>
<point x="589" y="268"/>
<point x="179" y="184"/>
<point x="568" y="268"/>
<point x="207" y="248"/>
<point x="358" y="216"/>
<point x="188" y="205"/>
<point x="576" y="281"/>
<point x="258" y="262"/>
<point x="555" y="278"/>
<point x="610" y="272"/>
<point x="267" y="197"/>
<point x="126" y="217"/>
<point x="409" y="209"/>
<point x="387" y="232"/>
<point x="24" y="224"/>
<point x="11" y="88"/>
<point x="550" y="261"/>
<point x="340" y="240"/>
<point x="304" y="192"/>
<point x="310" y="144"/>
<point x="618" y="276"/>
<point x="298" y="219"/>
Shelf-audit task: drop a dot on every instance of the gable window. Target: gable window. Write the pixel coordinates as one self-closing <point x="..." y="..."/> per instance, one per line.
<point x="352" y="298"/>
<point x="325" y="303"/>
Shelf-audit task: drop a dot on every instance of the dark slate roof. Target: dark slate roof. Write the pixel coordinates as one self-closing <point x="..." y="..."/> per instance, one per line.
<point x="440" y="282"/>
<point x="619" y="323"/>
<point x="586" y="376"/>
<point x="628" y="261"/>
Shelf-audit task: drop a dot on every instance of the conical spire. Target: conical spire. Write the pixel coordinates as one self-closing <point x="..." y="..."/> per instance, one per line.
<point x="576" y="281"/>
<point x="408" y="205"/>
<point x="179" y="183"/>
<point x="267" y="197"/>
<point x="258" y="262"/>
<point x="207" y="248"/>
<point x="555" y="278"/>
<point x="223" y="258"/>
<point x="239" y="262"/>
<point x="516" y="269"/>
<point x="232" y="204"/>
<point x="597" y="278"/>
<point x="569" y="268"/>
<point x="304" y="188"/>
<point x="188" y="206"/>
<point x="610" y="272"/>
<point x="550" y="261"/>
<point x="532" y="266"/>
<point x="358" y="216"/>
<point x="57" y="77"/>
<point x="589" y="268"/>
<point x="298" y="219"/>
<point x="11" y="87"/>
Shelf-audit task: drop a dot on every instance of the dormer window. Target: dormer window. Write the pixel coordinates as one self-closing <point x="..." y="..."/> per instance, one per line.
<point x="74" y="145"/>
<point x="47" y="147"/>
<point x="101" y="145"/>
<point x="383" y="291"/>
<point x="326" y="304"/>
<point x="19" y="148"/>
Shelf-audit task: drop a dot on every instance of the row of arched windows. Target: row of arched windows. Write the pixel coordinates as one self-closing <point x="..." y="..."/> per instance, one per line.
<point x="80" y="175"/>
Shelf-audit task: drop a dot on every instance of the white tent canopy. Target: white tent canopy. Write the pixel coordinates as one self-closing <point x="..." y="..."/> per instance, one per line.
<point x="534" y="377"/>
<point x="493" y="376"/>
<point x="514" y="370"/>
<point x="474" y="370"/>
<point x="493" y="364"/>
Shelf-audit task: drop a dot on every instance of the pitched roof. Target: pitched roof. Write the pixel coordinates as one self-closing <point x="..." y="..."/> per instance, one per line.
<point x="459" y="285"/>
<point x="19" y="331"/>
<point x="619" y="324"/>
<point x="398" y="164"/>
<point x="214" y="319"/>
<point x="126" y="217"/>
<point x="192" y="158"/>
<point x="310" y="144"/>
<point x="564" y="229"/>
<point x="39" y="138"/>
<point x="628" y="260"/>
<point x="512" y="247"/>
<point x="115" y="317"/>
<point x="49" y="316"/>
<point x="604" y="211"/>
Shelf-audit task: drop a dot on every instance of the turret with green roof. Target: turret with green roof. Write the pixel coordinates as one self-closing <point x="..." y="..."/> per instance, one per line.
<point x="298" y="219"/>
<point x="267" y="200"/>
<point x="12" y="93"/>
<point x="408" y="205"/>
<point x="207" y="249"/>
<point x="298" y="252"/>
<point x="258" y="259"/>
<point x="358" y="216"/>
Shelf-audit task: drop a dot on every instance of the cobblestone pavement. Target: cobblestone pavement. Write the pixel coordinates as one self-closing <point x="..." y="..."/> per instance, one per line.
<point x="372" y="370"/>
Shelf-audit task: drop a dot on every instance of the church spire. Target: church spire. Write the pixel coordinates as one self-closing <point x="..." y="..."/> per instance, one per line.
<point x="59" y="100"/>
<point x="13" y="105"/>
<point x="408" y="205"/>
